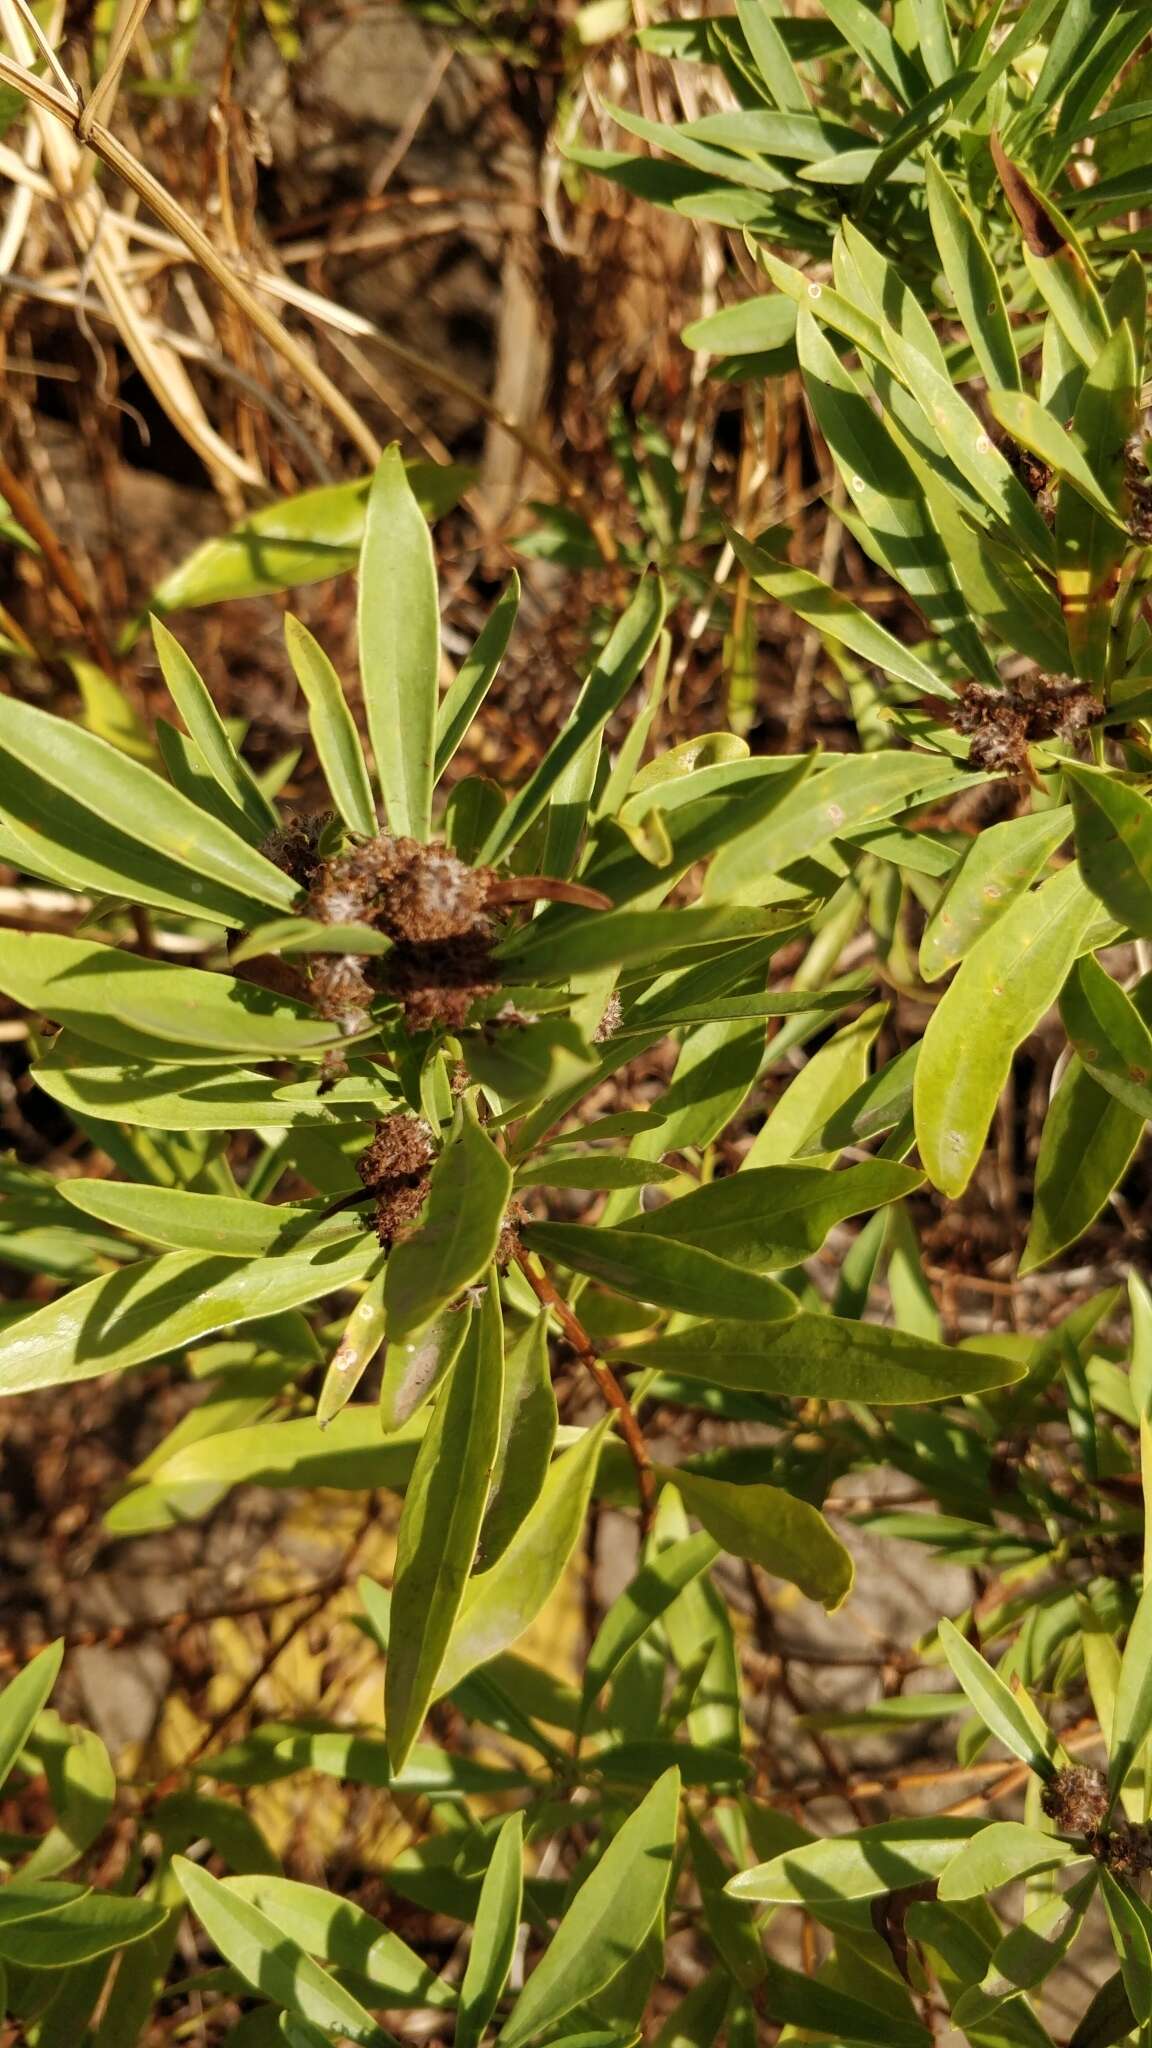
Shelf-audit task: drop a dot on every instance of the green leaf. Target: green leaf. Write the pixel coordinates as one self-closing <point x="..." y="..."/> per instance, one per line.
<point x="400" y="647"/>
<point x="160" y="1097"/>
<point x="501" y="1603"/>
<point x="159" y="1305"/>
<point x="662" y="1272"/>
<point x="136" y="1006"/>
<point x="77" y="1931"/>
<point x="1108" y="1033"/>
<point x="1011" y="976"/>
<point x="1002" y="1713"/>
<point x="810" y="2003"/>
<point x="1026" y="1956"/>
<point x="333" y="729"/>
<point x="591" y="1170"/>
<point x="972" y="277"/>
<point x="321" y="1923"/>
<point x="842" y="798"/>
<point x="753" y="327"/>
<point x="309" y="935"/>
<point x="1113" y="843"/>
<point x="836" y="617"/>
<point x="494" y="1936"/>
<point x="1131" y="1926"/>
<point x="466" y="693"/>
<point x="1132" y="1715"/>
<point x="414" y="1367"/>
<point x="271" y="1962"/>
<point x="785" y="1536"/>
<point x="609" y="1919"/>
<point x="765" y="38"/>
<point x="1033" y="426"/>
<point x="826" y="1081"/>
<point x="440" y="1525"/>
<point x="458" y="1232"/>
<point x="622" y="660"/>
<point x="1000" y="1854"/>
<point x="303" y="539"/>
<point x="898" y="528"/>
<point x="527" y="1439"/>
<point x="821" y="1357"/>
<point x="117" y="828"/>
<point x="83" y="1787"/>
<point x="1092" y="537"/>
<point x="361" y="1340"/>
<point x="207" y="730"/>
<point x="1086" y="1146"/>
<point x="772" y="1217"/>
<point x="637" y="938"/>
<point x="996" y="867"/>
<point x="23" y="1699"/>
<point x="864" y="1865"/>
<point x="659" y="1581"/>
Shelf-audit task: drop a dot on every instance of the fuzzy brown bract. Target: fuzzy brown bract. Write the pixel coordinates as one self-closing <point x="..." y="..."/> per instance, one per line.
<point x="1001" y="724"/>
<point x="433" y="907"/>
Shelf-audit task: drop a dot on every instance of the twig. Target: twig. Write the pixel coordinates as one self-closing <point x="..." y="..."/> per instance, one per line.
<point x="576" y="1336"/>
<point x="25" y="508"/>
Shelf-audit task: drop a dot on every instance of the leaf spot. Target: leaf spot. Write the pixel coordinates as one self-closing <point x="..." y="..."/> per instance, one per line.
<point x="815" y="291"/>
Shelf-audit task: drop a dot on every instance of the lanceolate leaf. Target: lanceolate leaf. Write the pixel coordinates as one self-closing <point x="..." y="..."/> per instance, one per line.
<point x="1114" y="843"/>
<point x="297" y="540"/>
<point x="22" y="1700"/>
<point x="1092" y="536"/>
<point x="161" y="1305"/>
<point x="121" y="830"/>
<point x="617" y="669"/>
<point x="1132" y="1715"/>
<point x="206" y="728"/>
<point x="527" y="1438"/>
<point x="837" y="617"/>
<point x="1012" y="975"/>
<point x="821" y="1357"/>
<point x="271" y="1962"/>
<point x="999" y="864"/>
<point x="663" y="1272"/>
<point x="864" y="1865"/>
<point x="609" y="1919"/>
<point x="658" y="1582"/>
<point x="137" y="1005"/>
<point x="500" y="1604"/>
<point x="322" y="1923"/>
<point x="772" y="1217"/>
<point x="457" y="1234"/>
<point x="400" y="647"/>
<point x="1087" y="1144"/>
<point x="494" y="1939"/>
<point x="998" y="1707"/>
<point x="440" y="1525"/>
<point x="973" y="281"/>
<point x="1108" y="1033"/>
<point x="466" y="693"/>
<point x="783" y="1535"/>
<point x="333" y="728"/>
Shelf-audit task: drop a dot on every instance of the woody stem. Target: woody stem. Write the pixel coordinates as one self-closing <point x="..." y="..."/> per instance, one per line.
<point x="576" y="1336"/>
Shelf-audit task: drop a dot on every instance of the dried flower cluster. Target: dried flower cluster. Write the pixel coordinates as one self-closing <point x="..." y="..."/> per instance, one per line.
<point x="432" y="906"/>
<point x="1003" y="723"/>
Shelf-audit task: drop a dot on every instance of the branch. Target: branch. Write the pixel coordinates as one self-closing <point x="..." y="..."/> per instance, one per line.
<point x="576" y="1336"/>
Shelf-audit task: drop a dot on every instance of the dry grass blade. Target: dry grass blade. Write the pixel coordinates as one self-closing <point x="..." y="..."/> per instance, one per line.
<point x="90" y="232"/>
